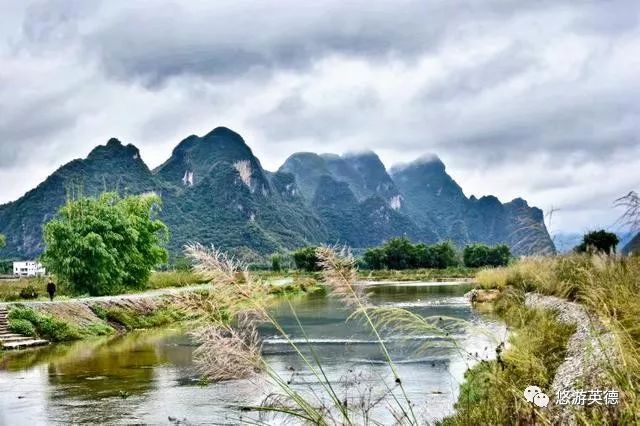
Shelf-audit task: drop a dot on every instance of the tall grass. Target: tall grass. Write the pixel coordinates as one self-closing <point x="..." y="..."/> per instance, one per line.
<point x="230" y="347"/>
<point x="609" y="287"/>
<point x="492" y="391"/>
<point x="179" y="278"/>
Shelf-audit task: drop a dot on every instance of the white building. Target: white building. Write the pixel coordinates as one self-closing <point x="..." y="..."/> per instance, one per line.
<point x="28" y="269"/>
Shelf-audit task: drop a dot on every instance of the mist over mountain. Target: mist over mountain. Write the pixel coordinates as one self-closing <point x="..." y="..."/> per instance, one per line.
<point x="215" y="191"/>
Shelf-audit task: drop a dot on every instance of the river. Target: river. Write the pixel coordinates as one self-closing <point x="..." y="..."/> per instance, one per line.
<point x="149" y="376"/>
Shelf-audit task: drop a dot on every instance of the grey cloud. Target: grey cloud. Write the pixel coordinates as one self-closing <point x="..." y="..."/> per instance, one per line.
<point x="610" y="17"/>
<point x="237" y="40"/>
<point x="293" y="117"/>
<point x="518" y="58"/>
<point x="27" y="127"/>
<point x="152" y="44"/>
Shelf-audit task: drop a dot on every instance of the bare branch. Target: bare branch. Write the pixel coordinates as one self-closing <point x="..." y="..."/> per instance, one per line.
<point x="631" y="216"/>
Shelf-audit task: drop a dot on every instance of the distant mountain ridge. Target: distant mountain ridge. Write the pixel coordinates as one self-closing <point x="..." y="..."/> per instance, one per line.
<point x="215" y="191"/>
<point x="632" y="246"/>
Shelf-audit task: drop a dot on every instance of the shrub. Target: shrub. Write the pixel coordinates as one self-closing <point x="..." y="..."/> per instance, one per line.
<point x="22" y="326"/>
<point x="29" y="292"/>
<point x="56" y="330"/>
<point x="98" y="329"/>
<point x="134" y="320"/>
<point x="399" y="253"/>
<point x="100" y="312"/>
<point x="19" y="312"/>
<point x="45" y="326"/>
<point x="306" y="259"/>
<point x="443" y="255"/>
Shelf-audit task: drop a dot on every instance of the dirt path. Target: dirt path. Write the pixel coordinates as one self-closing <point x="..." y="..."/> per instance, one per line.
<point x="84" y="311"/>
<point x="151" y="294"/>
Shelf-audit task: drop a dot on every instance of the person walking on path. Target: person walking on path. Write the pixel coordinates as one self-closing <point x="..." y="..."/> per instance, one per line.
<point x="51" y="289"/>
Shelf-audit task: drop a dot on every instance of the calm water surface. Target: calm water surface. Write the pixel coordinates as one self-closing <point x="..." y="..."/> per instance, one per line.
<point x="149" y="377"/>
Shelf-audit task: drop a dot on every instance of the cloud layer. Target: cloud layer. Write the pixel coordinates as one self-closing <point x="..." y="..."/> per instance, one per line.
<point x="533" y="99"/>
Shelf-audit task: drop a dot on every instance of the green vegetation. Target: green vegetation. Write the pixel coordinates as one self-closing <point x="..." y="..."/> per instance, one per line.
<point x="177" y="278"/>
<point x="106" y="244"/>
<point x="12" y="289"/>
<point x="306" y="259"/>
<point x="299" y="284"/>
<point x="22" y="326"/>
<point x="45" y="326"/>
<point x="479" y="255"/>
<point x="598" y="242"/>
<point x="400" y="253"/>
<point x="131" y="320"/>
<point x="3" y="241"/>
<point x="276" y="263"/>
<point x="29" y="292"/>
<point x="417" y="274"/>
<point x="608" y="287"/>
<point x="30" y="322"/>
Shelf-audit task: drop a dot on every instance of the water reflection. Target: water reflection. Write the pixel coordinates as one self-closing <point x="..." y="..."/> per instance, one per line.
<point x="147" y="377"/>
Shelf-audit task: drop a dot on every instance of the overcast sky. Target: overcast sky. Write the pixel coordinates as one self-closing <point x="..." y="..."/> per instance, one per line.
<point x="537" y="99"/>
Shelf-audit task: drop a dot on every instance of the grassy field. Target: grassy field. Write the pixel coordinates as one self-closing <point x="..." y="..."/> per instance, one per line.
<point x="608" y="287"/>
<point x="10" y="289"/>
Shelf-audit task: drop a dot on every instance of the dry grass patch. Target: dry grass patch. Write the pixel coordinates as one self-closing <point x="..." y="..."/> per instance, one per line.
<point x="609" y="287"/>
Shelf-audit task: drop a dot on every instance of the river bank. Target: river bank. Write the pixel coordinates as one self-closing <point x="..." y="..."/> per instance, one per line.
<point x="573" y="328"/>
<point x="85" y="317"/>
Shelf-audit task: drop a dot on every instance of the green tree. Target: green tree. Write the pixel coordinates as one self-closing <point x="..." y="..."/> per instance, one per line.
<point x="478" y="255"/>
<point x="499" y="255"/>
<point x="425" y="256"/>
<point x="103" y="245"/>
<point x="375" y="258"/>
<point x="306" y="259"/>
<point x="598" y="241"/>
<point x="443" y="255"/>
<point x="3" y="241"/>
<point x="400" y="253"/>
<point x="276" y="263"/>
